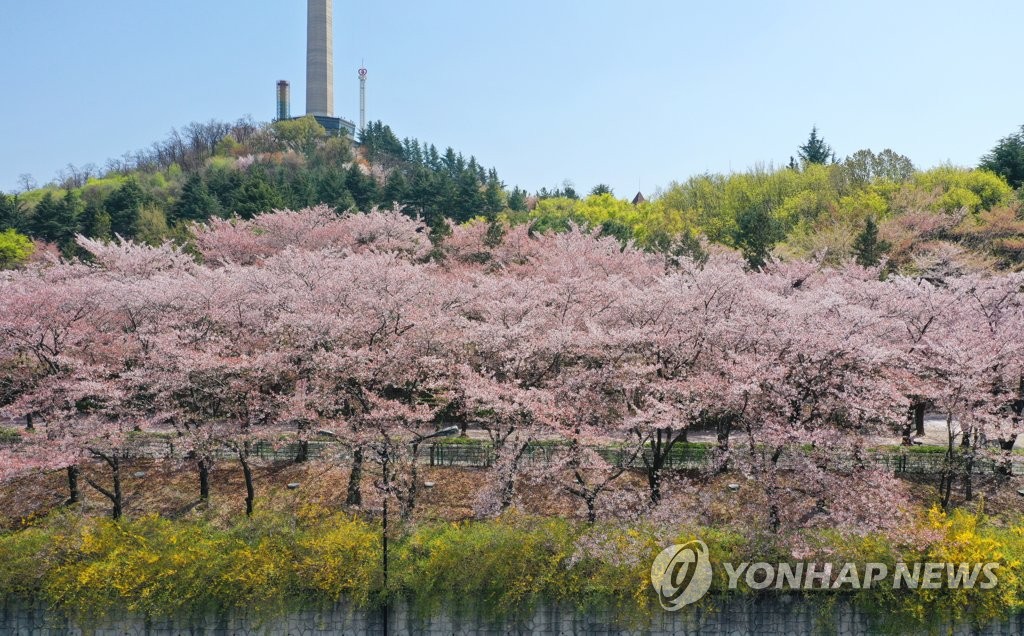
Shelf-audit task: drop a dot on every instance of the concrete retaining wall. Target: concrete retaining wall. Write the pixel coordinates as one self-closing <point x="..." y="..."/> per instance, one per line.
<point x="768" y="616"/>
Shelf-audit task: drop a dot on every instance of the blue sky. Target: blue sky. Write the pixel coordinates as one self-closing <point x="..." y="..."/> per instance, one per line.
<point x="646" y="91"/>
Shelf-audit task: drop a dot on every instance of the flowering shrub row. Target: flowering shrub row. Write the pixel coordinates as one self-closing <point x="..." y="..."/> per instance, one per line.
<point x="270" y="565"/>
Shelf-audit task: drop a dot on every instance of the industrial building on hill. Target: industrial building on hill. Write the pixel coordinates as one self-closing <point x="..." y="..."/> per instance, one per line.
<point x="319" y="72"/>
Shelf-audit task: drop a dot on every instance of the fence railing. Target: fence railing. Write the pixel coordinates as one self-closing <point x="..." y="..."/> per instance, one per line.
<point x="483" y="454"/>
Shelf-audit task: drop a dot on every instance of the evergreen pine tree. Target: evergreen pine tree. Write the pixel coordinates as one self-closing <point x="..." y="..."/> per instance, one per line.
<point x="12" y="213"/>
<point x="223" y="184"/>
<point x="363" y="188"/>
<point x="301" y="191"/>
<point x="56" y="221"/>
<point x="494" y="198"/>
<point x="43" y="222"/>
<point x="395" y="190"/>
<point x="756" y="234"/>
<point x="517" y="199"/>
<point x="196" y="203"/>
<point x="469" y="200"/>
<point x="96" y="222"/>
<point x="1007" y="159"/>
<point x="72" y="209"/>
<point x="815" y="150"/>
<point x="421" y="192"/>
<point x="867" y="248"/>
<point x="331" y="190"/>
<point x="256" y="196"/>
<point x="123" y="206"/>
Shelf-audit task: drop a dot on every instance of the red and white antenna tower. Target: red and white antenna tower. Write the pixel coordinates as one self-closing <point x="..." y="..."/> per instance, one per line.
<point x="362" y="99"/>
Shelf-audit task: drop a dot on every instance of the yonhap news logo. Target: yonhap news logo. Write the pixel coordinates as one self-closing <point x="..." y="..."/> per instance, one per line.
<point x="681" y="575"/>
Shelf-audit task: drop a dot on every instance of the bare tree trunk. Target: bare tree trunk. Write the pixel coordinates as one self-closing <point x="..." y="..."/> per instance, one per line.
<point x="591" y="509"/>
<point x="355" y="496"/>
<point x="661" y="450"/>
<point x="946" y="485"/>
<point x="968" y="477"/>
<point x="410" y="495"/>
<point x="204" y="478"/>
<point x="303" y="453"/>
<point x="919" y="418"/>
<point x="74" y="496"/>
<point x="116" y="496"/>
<point x="969" y="466"/>
<point x="946" y="489"/>
<point x="250" y="489"/>
<point x="773" y="518"/>
<point x="508" y="490"/>
<point x="908" y="426"/>
<point x="723" y="428"/>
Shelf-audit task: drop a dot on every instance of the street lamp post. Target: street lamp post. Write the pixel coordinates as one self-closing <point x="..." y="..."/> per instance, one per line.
<point x="385" y="460"/>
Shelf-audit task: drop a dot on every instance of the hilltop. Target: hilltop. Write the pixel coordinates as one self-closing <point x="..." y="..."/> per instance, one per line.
<point x="867" y="207"/>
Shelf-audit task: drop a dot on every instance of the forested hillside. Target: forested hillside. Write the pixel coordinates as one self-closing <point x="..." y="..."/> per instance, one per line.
<point x="867" y="206"/>
<point x="223" y="170"/>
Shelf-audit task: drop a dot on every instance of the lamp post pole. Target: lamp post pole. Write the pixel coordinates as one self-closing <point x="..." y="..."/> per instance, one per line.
<point x="385" y="461"/>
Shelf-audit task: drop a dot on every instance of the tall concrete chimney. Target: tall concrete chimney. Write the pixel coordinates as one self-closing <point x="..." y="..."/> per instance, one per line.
<point x="320" y="58"/>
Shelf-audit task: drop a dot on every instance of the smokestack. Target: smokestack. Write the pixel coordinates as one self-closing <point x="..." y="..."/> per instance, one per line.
<point x="284" y="100"/>
<point x="320" y="58"/>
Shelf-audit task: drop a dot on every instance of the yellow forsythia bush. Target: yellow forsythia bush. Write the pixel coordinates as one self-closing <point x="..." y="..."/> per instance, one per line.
<point x="276" y="563"/>
<point x="966" y="538"/>
<point x="340" y="557"/>
<point x="498" y="566"/>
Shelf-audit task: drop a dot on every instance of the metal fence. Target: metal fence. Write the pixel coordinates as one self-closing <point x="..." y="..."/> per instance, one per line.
<point x="483" y="454"/>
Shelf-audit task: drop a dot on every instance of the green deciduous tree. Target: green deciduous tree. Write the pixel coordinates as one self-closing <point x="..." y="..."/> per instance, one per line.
<point x="301" y="135"/>
<point x="14" y="249"/>
<point x="864" y="167"/>
<point x="963" y="188"/>
<point x="152" y="226"/>
<point x="334" y="153"/>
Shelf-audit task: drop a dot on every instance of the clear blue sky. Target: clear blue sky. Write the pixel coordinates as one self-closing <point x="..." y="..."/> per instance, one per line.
<point x="591" y="91"/>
